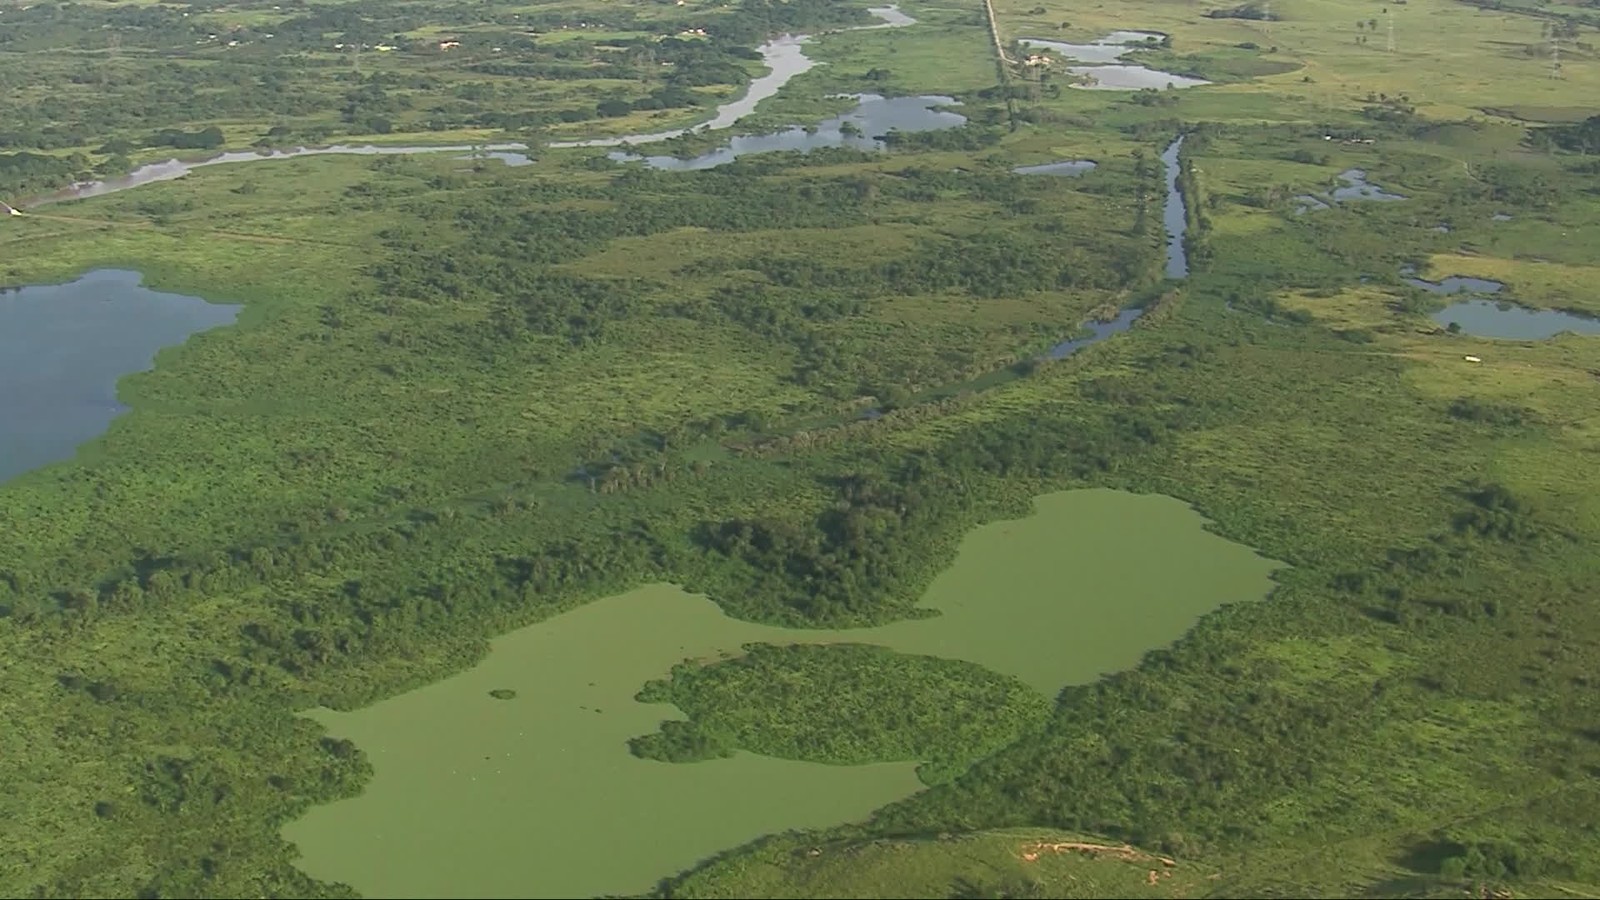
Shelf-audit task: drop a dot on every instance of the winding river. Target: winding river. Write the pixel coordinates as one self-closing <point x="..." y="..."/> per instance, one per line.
<point x="784" y="57"/>
<point x="1175" y="220"/>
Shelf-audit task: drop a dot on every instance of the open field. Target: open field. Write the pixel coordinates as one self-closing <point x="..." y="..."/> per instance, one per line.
<point x="463" y="398"/>
<point x="1451" y="60"/>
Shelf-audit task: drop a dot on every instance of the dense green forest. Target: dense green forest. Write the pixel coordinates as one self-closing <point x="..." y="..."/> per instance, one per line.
<point x="464" y="398"/>
<point x="840" y="703"/>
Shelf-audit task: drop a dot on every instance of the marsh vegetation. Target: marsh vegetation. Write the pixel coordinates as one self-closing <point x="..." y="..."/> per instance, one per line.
<point x="469" y="407"/>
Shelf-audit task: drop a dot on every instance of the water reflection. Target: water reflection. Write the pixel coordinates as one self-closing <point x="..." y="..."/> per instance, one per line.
<point x="1486" y="318"/>
<point x="1100" y="331"/>
<point x="861" y="128"/>
<point x="1069" y="168"/>
<point x="1174" y="216"/>
<point x="1356" y="187"/>
<point x="1106" y="73"/>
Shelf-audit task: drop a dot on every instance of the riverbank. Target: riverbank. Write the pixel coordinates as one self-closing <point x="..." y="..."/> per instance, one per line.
<point x="783" y="56"/>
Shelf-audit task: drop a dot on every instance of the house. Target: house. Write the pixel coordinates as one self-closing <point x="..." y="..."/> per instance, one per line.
<point x="449" y="45"/>
<point x="9" y="210"/>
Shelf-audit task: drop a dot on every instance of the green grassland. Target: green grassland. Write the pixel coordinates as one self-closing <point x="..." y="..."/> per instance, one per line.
<point x="999" y="863"/>
<point x="462" y="398"/>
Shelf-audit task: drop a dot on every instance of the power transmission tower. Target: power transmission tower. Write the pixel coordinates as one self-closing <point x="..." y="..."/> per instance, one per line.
<point x="1555" y="54"/>
<point x="1266" y="18"/>
<point x="1391" y="31"/>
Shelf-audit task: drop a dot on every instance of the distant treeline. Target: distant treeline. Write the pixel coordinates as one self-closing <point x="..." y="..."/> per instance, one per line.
<point x="22" y="174"/>
<point x="1583" y="137"/>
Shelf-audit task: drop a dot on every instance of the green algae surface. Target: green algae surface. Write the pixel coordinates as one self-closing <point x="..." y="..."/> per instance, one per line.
<point x="538" y="796"/>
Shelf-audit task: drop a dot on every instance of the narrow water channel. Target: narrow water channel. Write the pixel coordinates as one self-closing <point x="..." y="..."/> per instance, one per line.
<point x="1175" y="219"/>
<point x="784" y="57"/>
<point x="1174" y="215"/>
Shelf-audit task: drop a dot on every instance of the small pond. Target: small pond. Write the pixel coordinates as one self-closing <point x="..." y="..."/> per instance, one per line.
<point x="1106" y="50"/>
<point x="860" y="128"/>
<point x="1131" y="78"/>
<point x="1356" y="187"/>
<point x="1069" y="168"/>
<point x="1105" y="72"/>
<point x="64" y="347"/>
<point x="1487" y="318"/>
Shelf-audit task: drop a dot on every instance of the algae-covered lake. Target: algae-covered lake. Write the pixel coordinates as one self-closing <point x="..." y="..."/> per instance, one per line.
<point x="538" y="796"/>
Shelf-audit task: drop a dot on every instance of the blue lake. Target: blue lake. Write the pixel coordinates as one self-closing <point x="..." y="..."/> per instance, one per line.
<point x="63" y="349"/>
